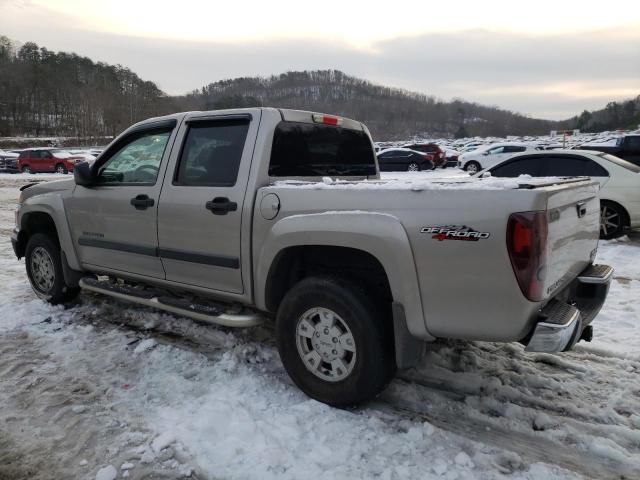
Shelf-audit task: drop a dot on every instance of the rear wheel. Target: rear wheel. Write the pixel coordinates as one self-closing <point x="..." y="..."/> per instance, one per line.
<point x="413" y="167"/>
<point x="334" y="342"/>
<point x="612" y="220"/>
<point x="472" y="167"/>
<point x="60" y="168"/>
<point x="44" y="269"/>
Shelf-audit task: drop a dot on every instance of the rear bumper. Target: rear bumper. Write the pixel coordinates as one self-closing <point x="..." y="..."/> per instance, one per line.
<point x="562" y="321"/>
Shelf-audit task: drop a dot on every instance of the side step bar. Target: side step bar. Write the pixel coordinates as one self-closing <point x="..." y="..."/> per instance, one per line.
<point x="198" y="311"/>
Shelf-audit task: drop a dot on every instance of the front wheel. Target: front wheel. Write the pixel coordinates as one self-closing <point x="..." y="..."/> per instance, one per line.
<point x="44" y="269"/>
<point x="334" y="341"/>
<point x="472" y="167"/>
<point x="612" y="220"/>
<point x="26" y="169"/>
<point x="60" y="168"/>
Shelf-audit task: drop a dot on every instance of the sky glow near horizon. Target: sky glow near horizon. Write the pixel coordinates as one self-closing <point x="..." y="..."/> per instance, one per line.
<point x="546" y="59"/>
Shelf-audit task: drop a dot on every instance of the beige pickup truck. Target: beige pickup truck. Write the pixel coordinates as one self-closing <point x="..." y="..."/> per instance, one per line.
<point x="239" y="216"/>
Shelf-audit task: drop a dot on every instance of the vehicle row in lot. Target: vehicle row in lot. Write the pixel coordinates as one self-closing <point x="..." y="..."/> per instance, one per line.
<point x="488" y="155"/>
<point x="619" y="181"/>
<point x="404" y="159"/>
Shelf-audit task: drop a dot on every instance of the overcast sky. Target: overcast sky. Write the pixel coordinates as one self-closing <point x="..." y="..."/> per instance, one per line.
<point x="542" y="58"/>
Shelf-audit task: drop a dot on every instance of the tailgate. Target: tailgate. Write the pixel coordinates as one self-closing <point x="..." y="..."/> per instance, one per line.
<point x="573" y="213"/>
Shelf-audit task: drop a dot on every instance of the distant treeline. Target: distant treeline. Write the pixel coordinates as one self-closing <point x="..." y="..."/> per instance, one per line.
<point x="615" y="115"/>
<point x="48" y="93"/>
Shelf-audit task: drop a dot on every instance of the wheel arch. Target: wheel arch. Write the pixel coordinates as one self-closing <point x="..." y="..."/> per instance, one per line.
<point x="46" y="214"/>
<point x="376" y="242"/>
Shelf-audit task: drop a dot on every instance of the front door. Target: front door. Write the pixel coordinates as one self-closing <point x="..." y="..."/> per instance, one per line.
<point x="114" y="221"/>
<point x="201" y="206"/>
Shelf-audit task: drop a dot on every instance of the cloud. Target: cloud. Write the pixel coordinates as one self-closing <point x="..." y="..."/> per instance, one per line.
<point x="551" y="76"/>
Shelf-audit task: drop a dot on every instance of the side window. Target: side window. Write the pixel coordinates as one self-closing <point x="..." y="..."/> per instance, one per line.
<point x="496" y="150"/>
<point x="522" y="166"/>
<point x="564" y="167"/>
<point x="633" y="142"/>
<point x="514" y="149"/>
<point x="137" y="161"/>
<point x="592" y="169"/>
<point x="211" y="153"/>
<point x="45" y="154"/>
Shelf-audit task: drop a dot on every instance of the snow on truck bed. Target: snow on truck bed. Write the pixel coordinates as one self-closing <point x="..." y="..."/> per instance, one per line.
<point x="417" y="181"/>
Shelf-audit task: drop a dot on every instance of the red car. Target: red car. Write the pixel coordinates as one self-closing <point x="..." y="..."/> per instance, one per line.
<point x="431" y="148"/>
<point x="35" y="160"/>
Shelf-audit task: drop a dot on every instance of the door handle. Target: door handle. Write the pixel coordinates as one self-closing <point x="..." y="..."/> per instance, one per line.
<point x="581" y="207"/>
<point x="221" y="206"/>
<point x="142" y="202"/>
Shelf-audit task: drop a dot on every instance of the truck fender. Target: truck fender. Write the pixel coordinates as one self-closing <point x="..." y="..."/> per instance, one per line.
<point x="53" y="205"/>
<point x="379" y="234"/>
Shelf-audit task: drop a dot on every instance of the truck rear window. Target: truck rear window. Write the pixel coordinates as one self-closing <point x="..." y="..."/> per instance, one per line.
<point x="309" y="150"/>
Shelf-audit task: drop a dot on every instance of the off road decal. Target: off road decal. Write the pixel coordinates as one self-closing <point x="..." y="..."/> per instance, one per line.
<point x="453" y="232"/>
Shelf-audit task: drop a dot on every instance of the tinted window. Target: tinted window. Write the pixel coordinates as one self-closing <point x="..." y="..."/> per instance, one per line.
<point x="302" y="149"/>
<point x="137" y="161"/>
<point x="212" y="152"/>
<point x="564" y="167"/>
<point x="592" y="169"/>
<point x="514" y="149"/>
<point x="633" y="143"/>
<point x="495" y="150"/>
<point x="515" y="168"/>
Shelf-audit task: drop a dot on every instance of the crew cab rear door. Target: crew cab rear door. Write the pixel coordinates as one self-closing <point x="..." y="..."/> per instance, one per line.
<point x="114" y="220"/>
<point x="201" y="209"/>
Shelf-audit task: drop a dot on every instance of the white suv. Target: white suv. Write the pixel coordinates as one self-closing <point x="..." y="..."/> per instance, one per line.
<point x="490" y="155"/>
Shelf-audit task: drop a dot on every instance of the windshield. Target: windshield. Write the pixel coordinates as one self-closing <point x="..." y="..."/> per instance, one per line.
<point x="620" y="162"/>
<point x="303" y="150"/>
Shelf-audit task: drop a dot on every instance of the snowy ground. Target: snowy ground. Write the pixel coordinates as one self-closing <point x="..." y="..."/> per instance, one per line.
<point x="106" y="390"/>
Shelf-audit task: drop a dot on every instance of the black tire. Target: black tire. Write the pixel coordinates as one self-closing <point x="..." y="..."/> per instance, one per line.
<point x="26" y="169"/>
<point x="59" y="291"/>
<point x="60" y="168"/>
<point x="413" y="167"/>
<point x="374" y="364"/>
<point x="613" y="220"/>
<point x="472" y="167"/>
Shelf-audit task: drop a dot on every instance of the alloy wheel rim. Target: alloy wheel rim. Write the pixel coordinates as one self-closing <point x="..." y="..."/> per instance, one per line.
<point x="325" y="344"/>
<point x="472" y="168"/>
<point x="609" y="220"/>
<point x="42" y="269"/>
<point x="413" y="167"/>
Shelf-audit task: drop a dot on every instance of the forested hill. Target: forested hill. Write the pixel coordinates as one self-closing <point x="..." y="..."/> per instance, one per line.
<point x="63" y="94"/>
<point x="48" y="93"/>
<point x="388" y="112"/>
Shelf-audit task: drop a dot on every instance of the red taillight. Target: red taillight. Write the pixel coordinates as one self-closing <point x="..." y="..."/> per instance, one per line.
<point x="326" y="119"/>
<point x="527" y="246"/>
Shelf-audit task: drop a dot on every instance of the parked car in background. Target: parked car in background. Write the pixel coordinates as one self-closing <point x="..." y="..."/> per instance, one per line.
<point x="450" y="158"/>
<point x="619" y="182"/>
<point x="430" y="148"/>
<point x="490" y="155"/>
<point x="404" y="160"/>
<point x="36" y="160"/>
<point x="8" y="161"/>
<point x="627" y="148"/>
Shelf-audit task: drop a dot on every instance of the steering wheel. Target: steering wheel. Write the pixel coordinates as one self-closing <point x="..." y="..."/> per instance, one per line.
<point x="150" y="171"/>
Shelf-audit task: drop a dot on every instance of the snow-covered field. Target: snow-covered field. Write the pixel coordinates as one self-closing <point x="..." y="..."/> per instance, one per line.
<point x="106" y="390"/>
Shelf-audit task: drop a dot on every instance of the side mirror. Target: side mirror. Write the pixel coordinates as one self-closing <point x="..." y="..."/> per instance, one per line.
<point x="82" y="174"/>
